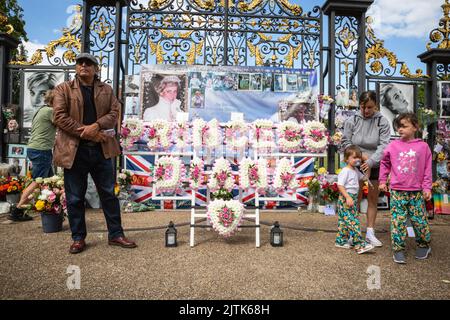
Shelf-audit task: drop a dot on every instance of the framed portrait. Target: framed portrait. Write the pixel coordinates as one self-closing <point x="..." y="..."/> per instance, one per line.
<point x="256" y="81"/>
<point x="396" y="98"/>
<point x="444" y="89"/>
<point x="163" y="96"/>
<point x="291" y="83"/>
<point x="19" y="167"/>
<point x="278" y="82"/>
<point x="197" y="99"/>
<point x="132" y="84"/>
<point x="267" y="82"/>
<point x="17" y="151"/>
<point x="244" y="81"/>
<point x="445" y="108"/>
<point x="36" y="85"/>
<point x="132" y="107"/>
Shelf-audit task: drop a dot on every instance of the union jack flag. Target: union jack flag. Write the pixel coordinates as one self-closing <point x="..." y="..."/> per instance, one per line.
<point x="141" y="168"/>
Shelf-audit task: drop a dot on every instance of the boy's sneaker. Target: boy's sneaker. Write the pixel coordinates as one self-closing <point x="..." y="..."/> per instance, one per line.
<point x="399" y="257"/>
<point x="343" y="246"/>
<point x="422" y="253"/>
<point x="370" y="238"/>
<point x="367" y="248"/>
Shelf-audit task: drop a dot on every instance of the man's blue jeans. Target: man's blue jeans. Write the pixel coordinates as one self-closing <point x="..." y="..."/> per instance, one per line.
<point x="91" y="160"/>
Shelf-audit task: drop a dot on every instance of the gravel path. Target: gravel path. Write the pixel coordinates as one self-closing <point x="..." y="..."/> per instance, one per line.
<point x="33" y="264"/>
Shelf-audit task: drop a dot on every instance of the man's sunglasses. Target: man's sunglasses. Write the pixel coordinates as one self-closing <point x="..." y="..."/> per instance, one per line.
<point x="85" y="61"/>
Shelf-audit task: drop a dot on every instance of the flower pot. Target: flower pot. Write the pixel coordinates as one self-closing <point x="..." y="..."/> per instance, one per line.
<point x="51" y="222"/>
<point x="13" y="198"/>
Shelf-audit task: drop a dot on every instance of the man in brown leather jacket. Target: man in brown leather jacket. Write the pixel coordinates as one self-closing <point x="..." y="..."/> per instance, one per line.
<point x="84" y="109"/>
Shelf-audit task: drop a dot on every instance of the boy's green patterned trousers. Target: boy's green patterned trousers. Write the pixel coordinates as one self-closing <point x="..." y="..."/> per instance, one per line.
<point x="412" y="204"/>
<point x="348" y="223"/>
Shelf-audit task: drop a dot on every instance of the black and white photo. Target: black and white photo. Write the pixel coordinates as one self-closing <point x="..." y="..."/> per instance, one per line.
<point x="445" y="108"/>
<point x="395" y="98"/>
<point x="132" y="84"/>
<point x="36" y="85"/>
<point x="18" y="166"/>
<point x="444" y="89"/>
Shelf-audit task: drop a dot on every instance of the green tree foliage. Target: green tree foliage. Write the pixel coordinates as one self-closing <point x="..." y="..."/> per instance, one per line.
<point x="14" y="13"/>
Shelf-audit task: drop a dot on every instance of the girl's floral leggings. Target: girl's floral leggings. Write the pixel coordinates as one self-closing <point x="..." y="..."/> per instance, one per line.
<point x="348" y="223"/>
<point x="412" y="204"/>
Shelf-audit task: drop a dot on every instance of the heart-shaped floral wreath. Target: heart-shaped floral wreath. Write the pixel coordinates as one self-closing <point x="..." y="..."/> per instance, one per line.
<point x="225" y="216"/>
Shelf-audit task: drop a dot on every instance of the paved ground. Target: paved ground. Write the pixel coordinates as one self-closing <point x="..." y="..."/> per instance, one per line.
<point x="33" y="264"/>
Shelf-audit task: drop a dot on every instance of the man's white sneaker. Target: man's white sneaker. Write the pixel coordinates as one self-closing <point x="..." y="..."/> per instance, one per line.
<point x="367" y="248"/>
<point x="370" y="238"/>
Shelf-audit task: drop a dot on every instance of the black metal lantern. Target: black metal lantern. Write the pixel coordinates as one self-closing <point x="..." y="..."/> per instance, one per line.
<point x="171" y="235"/>
<point x="276" y="235"/>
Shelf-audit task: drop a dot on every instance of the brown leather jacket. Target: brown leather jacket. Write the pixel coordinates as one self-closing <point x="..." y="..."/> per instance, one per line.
<point x="68" y="116"/>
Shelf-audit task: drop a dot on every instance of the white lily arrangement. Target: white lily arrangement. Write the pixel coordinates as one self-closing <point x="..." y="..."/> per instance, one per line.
<point x="284" y="178"/>
<point x="290" y="136"/>
<point x="235" y="134"/>
<point x="225" y="216"/>
<point x="221" y="176"/>
<point x="315" y="136"/>
<point x="169" y="172"/>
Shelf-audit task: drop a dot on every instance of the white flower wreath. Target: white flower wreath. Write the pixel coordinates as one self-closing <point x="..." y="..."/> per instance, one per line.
<point x="263" y="136"/>
<point x="253" y="174"/>
<point x="225" y="216"/>
<point x="205" y="133"/>
<point x="181" y="129"/>
<point x="290" y="136"/>
<point x="284" y="176"/>
<point x="168" y="174"/>
<point x="235" y="134"/>
<point x="221" y="176"/>
<point x="158" y="134"/>
<point x="196" y="173"/>
<point x="315" y="136"/>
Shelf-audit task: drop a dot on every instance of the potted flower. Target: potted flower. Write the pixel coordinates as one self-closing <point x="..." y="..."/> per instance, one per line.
<point x="330" y="195"/>
<point x="11" y="188"/>
<point x="313" y="194"/>
<point x="48" y="198"/>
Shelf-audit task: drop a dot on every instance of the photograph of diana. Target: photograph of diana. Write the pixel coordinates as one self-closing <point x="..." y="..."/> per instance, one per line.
<point x="163" y="97"/>
<point x="36" y="85"/>
<point x="395" y="98"/>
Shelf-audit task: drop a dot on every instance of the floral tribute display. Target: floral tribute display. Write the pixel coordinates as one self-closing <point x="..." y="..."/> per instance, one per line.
<point x="315" y="136"/>
<point x="130" y="132"/>
<point x="253" y="174"/>
<point x="11" y="185"/>
<point x="225" y="216"/>
<point x="49" y="197"/>
<point x="236" y="134"/>
<point x="196" y="173"/>
<point x="168" y="174"/>
<point x="181" y="131"/>
<point x="263" y="136"/>
<point x="158" y="133"/>
<point x="221" y="176"/>
<point x="284" y="178"/>
<point x="290" y="136"/>
<point x="205" y="134"/>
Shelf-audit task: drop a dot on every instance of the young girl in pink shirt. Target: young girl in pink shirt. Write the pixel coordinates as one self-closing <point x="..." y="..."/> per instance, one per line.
<point x="408" y="162"/>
